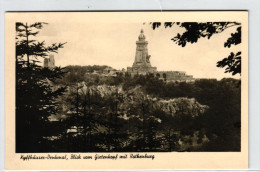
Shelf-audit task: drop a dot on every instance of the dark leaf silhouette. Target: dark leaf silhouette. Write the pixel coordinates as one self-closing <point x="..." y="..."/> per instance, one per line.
<point x="232" y="63"/>
<point x="195" y="31"/>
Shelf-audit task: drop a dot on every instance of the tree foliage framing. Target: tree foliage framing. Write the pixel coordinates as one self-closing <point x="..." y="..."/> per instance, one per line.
<point x="35" y="97"/>
<point x="194" y="31"/>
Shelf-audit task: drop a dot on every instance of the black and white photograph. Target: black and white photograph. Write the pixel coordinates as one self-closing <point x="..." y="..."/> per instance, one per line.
<point x="86" y="85"/>
<point x="84" y="94"/>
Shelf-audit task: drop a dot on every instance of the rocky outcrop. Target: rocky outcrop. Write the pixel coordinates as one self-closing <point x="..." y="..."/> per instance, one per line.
<point x="182" y="106"/>
<point x="133" y="98"/>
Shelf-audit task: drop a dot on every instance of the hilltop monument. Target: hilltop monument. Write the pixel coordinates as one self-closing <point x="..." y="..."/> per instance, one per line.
<point x="142" y="64"/>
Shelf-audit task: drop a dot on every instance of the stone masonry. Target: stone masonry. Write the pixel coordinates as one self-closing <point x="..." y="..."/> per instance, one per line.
<point x="142" y="65"/>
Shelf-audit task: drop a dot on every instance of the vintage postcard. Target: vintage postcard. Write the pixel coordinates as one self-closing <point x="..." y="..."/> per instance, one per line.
<point x="126" y="90"/>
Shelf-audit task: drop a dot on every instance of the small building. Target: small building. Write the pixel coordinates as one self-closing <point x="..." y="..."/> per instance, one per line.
<point x="109" y="71"/>
<point x="174" y="76"/>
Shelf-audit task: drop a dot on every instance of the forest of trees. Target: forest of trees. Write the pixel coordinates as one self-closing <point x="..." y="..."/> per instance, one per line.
<point x="221" y="123"/>
<point x="35" y="98"/>
<point x="71" y="110"/>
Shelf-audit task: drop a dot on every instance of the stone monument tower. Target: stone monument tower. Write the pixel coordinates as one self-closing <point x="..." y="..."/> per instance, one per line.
<point x="52" y="61"/>
<point x="49" y="62"/>
<point x="142" y="63"/>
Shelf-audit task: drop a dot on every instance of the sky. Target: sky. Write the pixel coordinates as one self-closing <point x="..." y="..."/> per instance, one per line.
<point x="114" y="44"/>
